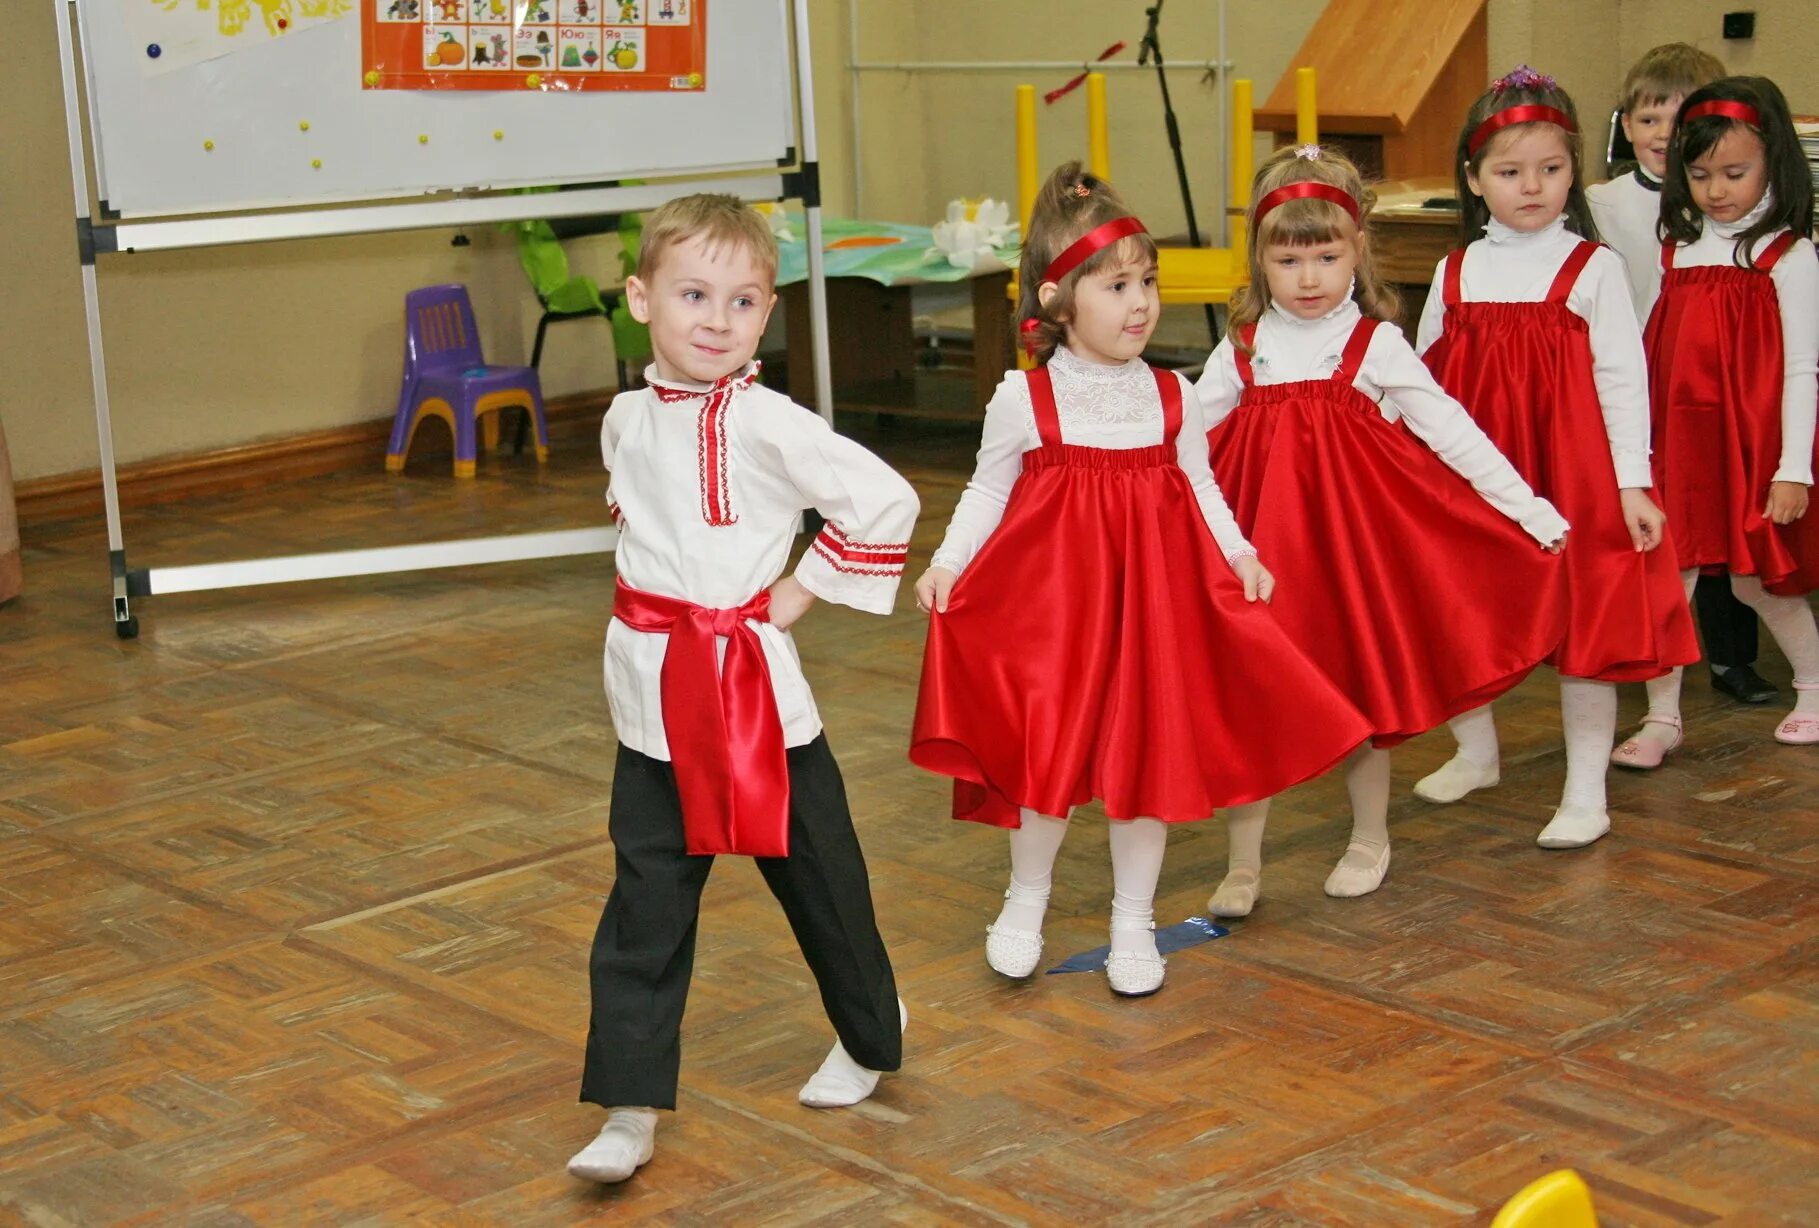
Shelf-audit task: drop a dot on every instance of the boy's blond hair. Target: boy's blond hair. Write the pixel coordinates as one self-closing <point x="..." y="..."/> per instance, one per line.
<point x="1672" y="70"/>
<point x="717" y="219"/>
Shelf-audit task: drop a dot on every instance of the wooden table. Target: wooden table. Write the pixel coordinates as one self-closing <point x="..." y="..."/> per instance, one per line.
<point x="1407" y="241"/>
<point x="873" y="343"/>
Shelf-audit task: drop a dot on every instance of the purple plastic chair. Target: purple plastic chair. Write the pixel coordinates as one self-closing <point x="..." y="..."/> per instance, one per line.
<point x="445" y="377"/>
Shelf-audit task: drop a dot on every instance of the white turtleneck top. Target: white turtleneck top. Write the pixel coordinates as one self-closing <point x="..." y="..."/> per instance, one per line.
<point x="1289" y="348"/>
<point x="1627" y="210"/>
<point x="1099" y="406"/>
<point x="1796" y="278"/>
<point x="1510" y="266"/>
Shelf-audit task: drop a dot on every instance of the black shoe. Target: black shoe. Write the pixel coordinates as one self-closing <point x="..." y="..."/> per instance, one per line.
<point x="1744" y="685"/>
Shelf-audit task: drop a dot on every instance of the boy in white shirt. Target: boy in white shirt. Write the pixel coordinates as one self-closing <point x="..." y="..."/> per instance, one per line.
<point x="721" y="749"/>
<point x="1627" y="210"/>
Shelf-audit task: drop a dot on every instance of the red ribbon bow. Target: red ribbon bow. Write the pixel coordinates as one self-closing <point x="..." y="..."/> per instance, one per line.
<point x="725" y="737"/>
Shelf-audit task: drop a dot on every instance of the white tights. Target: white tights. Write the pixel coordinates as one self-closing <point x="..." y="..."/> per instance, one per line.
<point x="1367" y="782"/>
<point x="1137" y="847"/>
<point x="1788" y="619"/>
<point x="1588" y="721"/>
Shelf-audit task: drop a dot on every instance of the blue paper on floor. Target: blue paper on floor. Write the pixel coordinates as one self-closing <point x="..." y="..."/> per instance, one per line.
<point x="1189" y="933"/>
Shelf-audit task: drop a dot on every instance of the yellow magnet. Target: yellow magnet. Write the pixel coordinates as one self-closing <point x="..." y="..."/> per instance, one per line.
<point x="423" y="138"/>
<point x="208" y="145"/>
<point x="498" y="134"/>
<point x="316" y="162"/>
<point x="372" y="76"/>
<point x="303" y="125"/>
<point x="533" y="81"/>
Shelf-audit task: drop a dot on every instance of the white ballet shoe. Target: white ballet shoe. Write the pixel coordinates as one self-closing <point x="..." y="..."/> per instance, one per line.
<point x="1574" y="827"/>
<point x="624" y="1145"/>
<point x="841" y="1082"/>
<point x="1349" y="882"/>
<point x="1236" y="895"/>
<point x="1455" y="778"/>
<point x="1012" y="953"/>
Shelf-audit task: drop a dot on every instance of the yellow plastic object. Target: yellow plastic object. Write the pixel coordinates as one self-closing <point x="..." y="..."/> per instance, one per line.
<point x="1098" y="137"/>
<point x="1244" y="155"/>
<point x="1307" y="124"/>
<point x="1026" y="155"/>
<point x="1558" y="1200"/>
<point x="1199" y="274"/>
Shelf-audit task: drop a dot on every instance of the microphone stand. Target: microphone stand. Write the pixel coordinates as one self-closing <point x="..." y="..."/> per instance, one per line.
<point x="1151" y="48"/>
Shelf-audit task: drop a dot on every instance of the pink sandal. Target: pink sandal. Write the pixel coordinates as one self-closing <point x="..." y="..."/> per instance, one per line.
<point x="1647" y="756"/>
<point x="1800" y="728"/>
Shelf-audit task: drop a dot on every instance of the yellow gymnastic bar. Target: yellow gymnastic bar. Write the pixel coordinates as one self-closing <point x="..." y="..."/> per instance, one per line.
<point x="1026" y="155"/>
<point x="1307" y="126"/>
<point x="1098" y="139"/>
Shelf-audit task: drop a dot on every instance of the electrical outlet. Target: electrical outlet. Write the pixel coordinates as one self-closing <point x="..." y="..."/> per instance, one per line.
<point x="1740" y="25"/>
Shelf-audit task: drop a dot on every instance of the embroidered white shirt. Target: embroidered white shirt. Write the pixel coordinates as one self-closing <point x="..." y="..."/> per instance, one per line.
<point x="1509" y="266"/>
<point x="1626" y="211"/>
<point x="1796" y="278"/>
<point x="1290" y="348"/>
<point x="758" y="463"/>
<point x="1100" y="406"/>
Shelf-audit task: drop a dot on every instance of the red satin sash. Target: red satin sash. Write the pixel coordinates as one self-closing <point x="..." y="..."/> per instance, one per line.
<point x="725" y="738"/>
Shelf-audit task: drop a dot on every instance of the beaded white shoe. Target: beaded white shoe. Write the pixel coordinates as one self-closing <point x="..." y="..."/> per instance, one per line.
<point x="1133" y="974"/>
<point x="1349" y="882"/>
<point x="1574" y="828"/>
<point x="1012" y="953"/>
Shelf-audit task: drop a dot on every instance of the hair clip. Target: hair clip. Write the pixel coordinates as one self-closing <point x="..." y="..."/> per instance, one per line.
<point x="1522" y="77"/>
<point x="1082" y="191"/>
<point x="1310" y="152"/>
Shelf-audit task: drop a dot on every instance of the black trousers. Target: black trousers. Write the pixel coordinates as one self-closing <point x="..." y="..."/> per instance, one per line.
<point x="644" y="949"/>
<point x="1727" y="626"/>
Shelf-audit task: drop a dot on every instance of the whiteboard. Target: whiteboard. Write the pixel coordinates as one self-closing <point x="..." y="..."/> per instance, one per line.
<point x="228" y="134"/>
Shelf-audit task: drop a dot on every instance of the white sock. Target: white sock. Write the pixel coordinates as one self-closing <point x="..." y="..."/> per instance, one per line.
<point x="1367" y="782"/>
<point x="1790" y="621"/>
<point x="1588" y="718"/>
<point x="1034" y="847"/>
<point x="841" y="1082"/>
<point x="1476" y="733"/>
<point x="1137" y="848"/>
<point x="1237" y="894"/>
<point x="1475" y="765"/>
<point x="627" y="1140"/>
<point x="1664" y="692"/>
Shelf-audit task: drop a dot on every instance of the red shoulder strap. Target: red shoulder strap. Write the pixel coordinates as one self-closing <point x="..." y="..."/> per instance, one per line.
<point x="1168" y="384"/>
<point x="1569" y="272"/>
<point x="1248" y="335"/>
<point x="1777" y="248"/>
<point x="1353" y="358"/>
<point x="1453" y="292"/>
<point x="1667" y="255"/>
<point x="1042" y="400"/>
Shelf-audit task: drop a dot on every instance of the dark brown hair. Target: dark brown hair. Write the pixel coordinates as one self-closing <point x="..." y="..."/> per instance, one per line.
<point x="1514" y="91"/>
<point x="1072" y="202"/>
<point x="1789" y="177"/>
<point x="1303" y="223"/>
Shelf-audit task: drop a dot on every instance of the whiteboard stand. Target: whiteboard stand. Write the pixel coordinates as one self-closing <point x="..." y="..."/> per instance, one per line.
<point x="112" y="234"/>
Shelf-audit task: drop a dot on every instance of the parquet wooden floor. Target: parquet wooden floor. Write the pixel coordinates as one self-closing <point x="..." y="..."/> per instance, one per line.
<point x="296" y="891"/>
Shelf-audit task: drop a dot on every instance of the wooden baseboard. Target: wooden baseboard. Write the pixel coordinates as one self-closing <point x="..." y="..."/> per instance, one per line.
<point x="67" y="496"/>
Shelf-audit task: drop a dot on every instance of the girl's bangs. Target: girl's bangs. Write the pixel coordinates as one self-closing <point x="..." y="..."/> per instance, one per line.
<point x="1304" y="223"/>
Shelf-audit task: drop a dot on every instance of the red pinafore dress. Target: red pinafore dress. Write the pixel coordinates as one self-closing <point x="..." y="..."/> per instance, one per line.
<point x="1099" y="645"/>
<point x="1524" y="373"/>
<point x="1715" y="369"/>
<point x="1411" y="592"/>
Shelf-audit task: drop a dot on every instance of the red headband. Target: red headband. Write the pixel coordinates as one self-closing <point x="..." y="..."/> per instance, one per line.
<point x="1306" y="189"/>
<point x="1526" y="113"/>
<point x="1098" y="237"/>
<point x="1727" y="107"/>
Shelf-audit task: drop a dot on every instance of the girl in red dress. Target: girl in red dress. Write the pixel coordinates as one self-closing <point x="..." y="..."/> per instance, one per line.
<point x="1732" y="344"/>
<point x="1415" y="561"/>
<point x="1534" y="331"/>
<point x="1099" y="626"/>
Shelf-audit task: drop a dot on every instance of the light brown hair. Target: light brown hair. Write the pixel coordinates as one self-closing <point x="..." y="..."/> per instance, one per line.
<point x="717" y="219"/>
<point x="1072" y="202"/>
<point x="1304" y="223"/>
<point x="1672" y="70"/>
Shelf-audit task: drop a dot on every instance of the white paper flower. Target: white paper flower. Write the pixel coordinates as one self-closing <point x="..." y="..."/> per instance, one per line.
<point x="972" y="232"/>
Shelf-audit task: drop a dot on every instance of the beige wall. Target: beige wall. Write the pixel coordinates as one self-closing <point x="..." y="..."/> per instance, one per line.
<point x="217" y="347"/>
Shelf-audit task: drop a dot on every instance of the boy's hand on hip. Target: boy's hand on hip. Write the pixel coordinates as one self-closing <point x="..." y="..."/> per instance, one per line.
<point x="789" y="602"/>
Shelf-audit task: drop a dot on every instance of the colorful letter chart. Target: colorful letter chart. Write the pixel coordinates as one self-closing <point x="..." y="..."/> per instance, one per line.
<point x="534" y="44"/>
